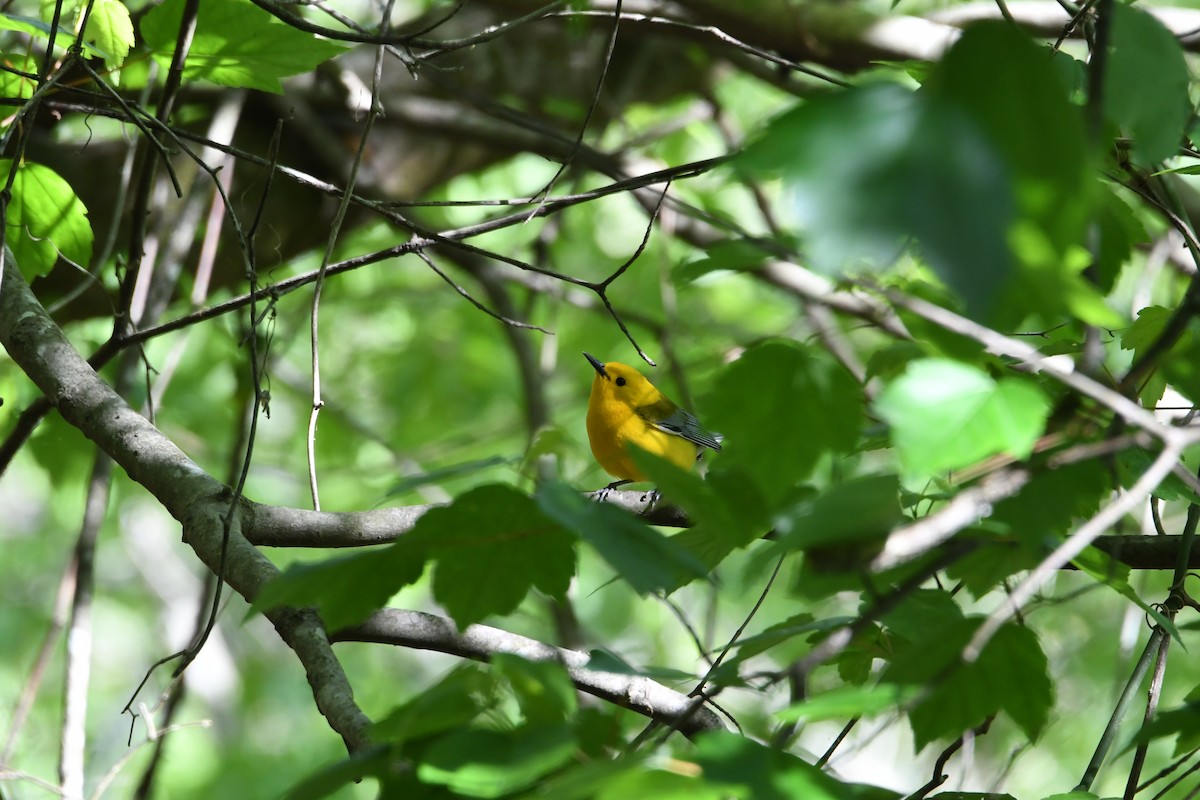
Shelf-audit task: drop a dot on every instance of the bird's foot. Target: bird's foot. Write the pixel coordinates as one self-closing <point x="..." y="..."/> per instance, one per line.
<point x="654" y="496"/>
<point x="602" y="495"/>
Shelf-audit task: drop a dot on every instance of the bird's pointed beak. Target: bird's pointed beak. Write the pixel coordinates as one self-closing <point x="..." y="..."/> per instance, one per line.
<point x="597" y="363"/>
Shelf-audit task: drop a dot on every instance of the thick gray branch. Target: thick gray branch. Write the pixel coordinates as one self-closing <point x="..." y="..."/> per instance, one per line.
<point x="480" y="642"/>
<point x="276" y="526"/>
<point x="190" y="495"/>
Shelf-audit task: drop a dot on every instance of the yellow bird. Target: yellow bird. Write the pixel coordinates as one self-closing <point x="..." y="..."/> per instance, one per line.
<point x="626" y="409"/>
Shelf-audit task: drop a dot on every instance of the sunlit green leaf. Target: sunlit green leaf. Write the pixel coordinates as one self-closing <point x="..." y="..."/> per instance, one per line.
<point x="45" y="218"/>
<point x="110" y="31"/>
<point x="235" y="44"/>
<point x="947" y="414"/>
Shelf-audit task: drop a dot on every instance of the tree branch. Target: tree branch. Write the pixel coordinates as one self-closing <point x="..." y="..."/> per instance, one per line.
<point x="189" y="494"/>
<point x="480" y="642"/>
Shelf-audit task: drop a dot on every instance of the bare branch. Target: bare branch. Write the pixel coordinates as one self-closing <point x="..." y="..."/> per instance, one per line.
<point x="189" y="494"/>
<point x="480" y="642"/>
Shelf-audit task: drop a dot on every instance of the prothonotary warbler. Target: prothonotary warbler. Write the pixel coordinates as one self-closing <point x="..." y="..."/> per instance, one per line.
<point x="626" y="409"/>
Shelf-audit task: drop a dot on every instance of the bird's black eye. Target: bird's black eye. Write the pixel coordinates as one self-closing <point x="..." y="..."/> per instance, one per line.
<point x="620" y="381"/>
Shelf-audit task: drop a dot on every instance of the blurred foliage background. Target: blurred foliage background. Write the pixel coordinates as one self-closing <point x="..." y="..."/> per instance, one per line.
<point x="894" y="251"/>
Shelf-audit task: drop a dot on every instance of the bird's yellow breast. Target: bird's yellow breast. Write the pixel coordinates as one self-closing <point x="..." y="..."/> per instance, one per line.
<point x="613" y="425"/>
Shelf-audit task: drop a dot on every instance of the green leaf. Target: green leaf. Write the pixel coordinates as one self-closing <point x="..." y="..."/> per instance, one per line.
<point x="1144" y="331"/>
<point x="985" y="568"/>
<point x="492" y="546"/>
<point x="724" y="509"/>
<point x="18" y="87"/>
<point x="1115" y="575"/>
<point x="654" y="784"/>
<point x="235" y="44"/>
<point x="850" y="701"/>
<point x="732" y="254"/>
<point x="451" y="703"/>
<point x="371" y="762"/>
<point x="864" y="168"/>
<point x="1010" y="675"/>
<point x="604" y="661"/>
<point x="853" y="511"/>
<point x="45" y="218"/>
<point x="781" y="409"/>
<point x="1146" y="84"/>
<point x="1133" y="462"/>
<point x="345" y="589"/>
<point x="924" y="611"/>
<point x="543" y="689"/>
<point x="1012" y="90"/>
<point x="110" y="31"/>
<point x="1120" y="230"/>
<point x="1183" y="721"/>
<point x="784" y="635"/>
<point x="764" y="773"/>
<point x="628" y="779"/>
<point x="486" y="763"/>
<point x="34" y="27"/>
<point x="1049" y="504"/>
<point x="945" y="415"/>
<point x="645" y="558"/>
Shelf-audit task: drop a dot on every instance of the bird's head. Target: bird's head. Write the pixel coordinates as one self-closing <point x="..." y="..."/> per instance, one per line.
<point x="619" y="382"/>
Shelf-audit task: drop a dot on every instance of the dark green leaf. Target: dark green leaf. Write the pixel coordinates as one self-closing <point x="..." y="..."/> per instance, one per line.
<point x="996" y="559"/>
<point x="922" y="613"/>
<point x="235" y="44"/>
<point x="486" y="763"/>
<point x="492" y="546"/>
<point x="1146" y="84"/>
<point x="739" y="519"/>
<point x="645" y="558"/>
<point x="1010" y="675"/>
<point x="324" y="782"/>
<point x="856" y="510"/>
<point x="1133" y="462"/>
<point x="451" y="703"/>
<point x="1183" y="722"/>
<point x="781" y="408"/>
<point x="764" y="773"/>
<point x="1052" y="500"/>
<point x="732" y="254"/>
<point x="1119" y="230"/>
<point x="604" y="661"/>
<point x="866" y="168"/>
<point x="850" y="701"/>
<point x="345" y="589"/>
<point x="1115" y="575"/>
<point x="543" y="689"/>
